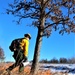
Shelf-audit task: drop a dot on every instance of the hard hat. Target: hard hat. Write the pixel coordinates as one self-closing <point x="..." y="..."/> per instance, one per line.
<point x="27" y="35"/>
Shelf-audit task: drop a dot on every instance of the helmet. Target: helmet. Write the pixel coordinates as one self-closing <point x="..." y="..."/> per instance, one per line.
<point x="27" y="35"/>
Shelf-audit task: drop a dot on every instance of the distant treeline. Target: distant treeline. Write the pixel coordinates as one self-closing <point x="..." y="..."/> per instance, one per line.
<point x="61" y="60"/>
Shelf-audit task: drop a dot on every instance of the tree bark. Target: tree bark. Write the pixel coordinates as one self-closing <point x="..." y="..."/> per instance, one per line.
<point x="35" y="64"/>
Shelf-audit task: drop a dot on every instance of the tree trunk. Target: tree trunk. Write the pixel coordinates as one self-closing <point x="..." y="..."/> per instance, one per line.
<point x="35" y="64"/>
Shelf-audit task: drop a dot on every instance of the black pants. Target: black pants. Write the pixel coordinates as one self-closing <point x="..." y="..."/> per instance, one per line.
<point x="19" y="58"/>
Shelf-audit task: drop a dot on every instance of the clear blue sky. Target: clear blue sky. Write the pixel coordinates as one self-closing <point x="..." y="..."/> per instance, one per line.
<point x="55" y="46"/>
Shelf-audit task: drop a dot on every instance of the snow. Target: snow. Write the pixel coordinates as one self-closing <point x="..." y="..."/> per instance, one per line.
<point x="66" y="68"/>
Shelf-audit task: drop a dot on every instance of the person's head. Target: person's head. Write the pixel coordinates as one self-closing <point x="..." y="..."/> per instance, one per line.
<point x="27" y="36"/>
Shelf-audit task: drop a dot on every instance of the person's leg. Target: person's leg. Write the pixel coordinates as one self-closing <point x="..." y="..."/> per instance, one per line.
<point x="21" y="67"/>
<point x="16" y="57"/>
<point x="8" y="70"/>
<point x="19" y="61"/>
<point x="11" y="67"/>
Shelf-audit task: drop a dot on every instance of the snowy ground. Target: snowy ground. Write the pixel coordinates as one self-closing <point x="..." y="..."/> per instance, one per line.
<point x="65" y="68"/>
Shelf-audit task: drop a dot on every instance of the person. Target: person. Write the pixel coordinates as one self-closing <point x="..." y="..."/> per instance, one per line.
<point x="20" y="54"/>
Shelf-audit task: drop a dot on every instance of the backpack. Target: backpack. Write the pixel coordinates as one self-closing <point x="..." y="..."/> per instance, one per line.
<point x="15" y="44"/>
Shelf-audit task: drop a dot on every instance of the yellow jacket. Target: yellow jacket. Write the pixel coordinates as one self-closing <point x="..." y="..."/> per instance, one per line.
<point x="24" y="46"/>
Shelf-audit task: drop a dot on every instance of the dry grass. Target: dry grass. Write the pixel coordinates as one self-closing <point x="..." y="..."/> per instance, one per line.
<point x="3" y="66"/>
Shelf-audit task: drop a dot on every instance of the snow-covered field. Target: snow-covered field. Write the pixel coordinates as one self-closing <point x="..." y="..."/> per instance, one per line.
<point x="64" y="68"/>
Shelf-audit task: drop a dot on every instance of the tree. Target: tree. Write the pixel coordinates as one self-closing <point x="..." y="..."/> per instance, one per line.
<point x="54" y="60"/>
<point x="63" y="60"/>
<point x="1" y="54"/>
<point x="71" y="60"/>
<point x="48" y="15"/>
<point x="43" y="61"/>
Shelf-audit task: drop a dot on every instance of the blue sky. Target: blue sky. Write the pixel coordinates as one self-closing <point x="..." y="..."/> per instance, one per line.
<point x="55" y="46"/>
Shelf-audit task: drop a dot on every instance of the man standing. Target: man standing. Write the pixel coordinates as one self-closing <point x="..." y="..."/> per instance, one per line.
<point x="20" y="54"/>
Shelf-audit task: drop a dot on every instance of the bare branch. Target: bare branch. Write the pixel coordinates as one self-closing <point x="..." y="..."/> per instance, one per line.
<point x="58" y="22"/>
